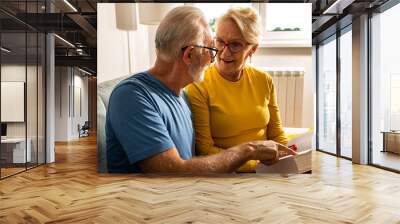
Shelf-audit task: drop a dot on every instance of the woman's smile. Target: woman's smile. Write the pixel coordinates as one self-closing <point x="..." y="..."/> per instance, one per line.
<point x="227" y="61"/>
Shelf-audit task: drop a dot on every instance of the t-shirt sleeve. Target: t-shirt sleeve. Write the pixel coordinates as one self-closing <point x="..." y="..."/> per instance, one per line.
<point x="137" y="124"/>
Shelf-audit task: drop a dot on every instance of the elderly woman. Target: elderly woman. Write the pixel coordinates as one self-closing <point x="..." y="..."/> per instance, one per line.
<point x="235" y="103"/>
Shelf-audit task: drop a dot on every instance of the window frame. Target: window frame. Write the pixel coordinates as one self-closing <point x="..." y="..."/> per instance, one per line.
<point x="334" y="37"/>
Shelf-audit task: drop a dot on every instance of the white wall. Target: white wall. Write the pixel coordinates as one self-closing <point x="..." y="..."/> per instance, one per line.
<point x="61" y="103"/>
<point x="67" y="114"/>
<point x="79" y="117"/>
<point x="83" y="82"/>
<point x="120" y="52"/>
<point x="292" y="57"/>
<point x="17" y="73"/>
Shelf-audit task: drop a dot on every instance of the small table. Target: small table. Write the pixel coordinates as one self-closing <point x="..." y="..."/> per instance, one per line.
<point x="391" y="141"/>
<point x="13" y="150"/>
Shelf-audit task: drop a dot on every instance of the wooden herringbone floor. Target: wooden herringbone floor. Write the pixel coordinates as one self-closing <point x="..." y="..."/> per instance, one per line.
<point x="70" y="191"/>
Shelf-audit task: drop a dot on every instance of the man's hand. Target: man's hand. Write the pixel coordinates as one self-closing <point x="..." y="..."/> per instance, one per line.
<point x="282" y="152"/>
<point x="263" y="150"/>
<point x="285" y="151"/>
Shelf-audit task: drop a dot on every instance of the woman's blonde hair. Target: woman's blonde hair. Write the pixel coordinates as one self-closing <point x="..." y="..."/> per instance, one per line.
<point x="247" y="20"/>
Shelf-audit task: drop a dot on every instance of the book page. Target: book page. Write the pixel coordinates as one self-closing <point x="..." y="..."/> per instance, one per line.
<point x="299" y="163"/>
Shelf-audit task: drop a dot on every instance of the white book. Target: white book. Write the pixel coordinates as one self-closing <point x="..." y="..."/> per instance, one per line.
<point x="296" y="164"/>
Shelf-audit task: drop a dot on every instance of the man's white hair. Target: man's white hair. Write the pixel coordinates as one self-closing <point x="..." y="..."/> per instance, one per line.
<point x="181" y="27"/>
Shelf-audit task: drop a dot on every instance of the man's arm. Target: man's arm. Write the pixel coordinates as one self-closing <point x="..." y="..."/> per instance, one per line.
<point x="226" y="161"/>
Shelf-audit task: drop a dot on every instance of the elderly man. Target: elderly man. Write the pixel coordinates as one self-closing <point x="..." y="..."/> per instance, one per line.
<point x="148" y="124"/>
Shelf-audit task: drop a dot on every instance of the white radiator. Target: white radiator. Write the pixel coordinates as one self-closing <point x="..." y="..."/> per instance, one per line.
<point x="289" y="84"/>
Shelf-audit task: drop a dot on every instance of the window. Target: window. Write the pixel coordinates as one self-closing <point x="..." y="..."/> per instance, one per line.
<point x="394" y="102"/>
<point x="333" y="137"/>
<point x="346" y="93"/>
<point x="385" y="88"/>
<point x="279" y="29"/>
<point x="327" y="96"/>
<point x="22" y="65"/>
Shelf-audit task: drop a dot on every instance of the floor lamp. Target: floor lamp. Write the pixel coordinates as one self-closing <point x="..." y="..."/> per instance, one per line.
<point x="126" y="20"/>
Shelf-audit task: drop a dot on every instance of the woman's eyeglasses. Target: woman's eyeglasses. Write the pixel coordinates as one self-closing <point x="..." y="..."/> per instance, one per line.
<point x="233" y="47"/>
<point x="213" y="51"/>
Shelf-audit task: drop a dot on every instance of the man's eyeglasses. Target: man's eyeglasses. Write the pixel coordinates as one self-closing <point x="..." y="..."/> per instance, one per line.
<point x="233" y="47"/>
<point x="213" y="51"/>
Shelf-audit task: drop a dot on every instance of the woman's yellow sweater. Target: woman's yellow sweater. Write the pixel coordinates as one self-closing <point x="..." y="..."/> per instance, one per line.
<point x="228" y="113"/>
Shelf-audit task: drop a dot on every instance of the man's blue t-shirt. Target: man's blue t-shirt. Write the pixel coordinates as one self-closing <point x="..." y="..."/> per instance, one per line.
<point x="145" y="118"/>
